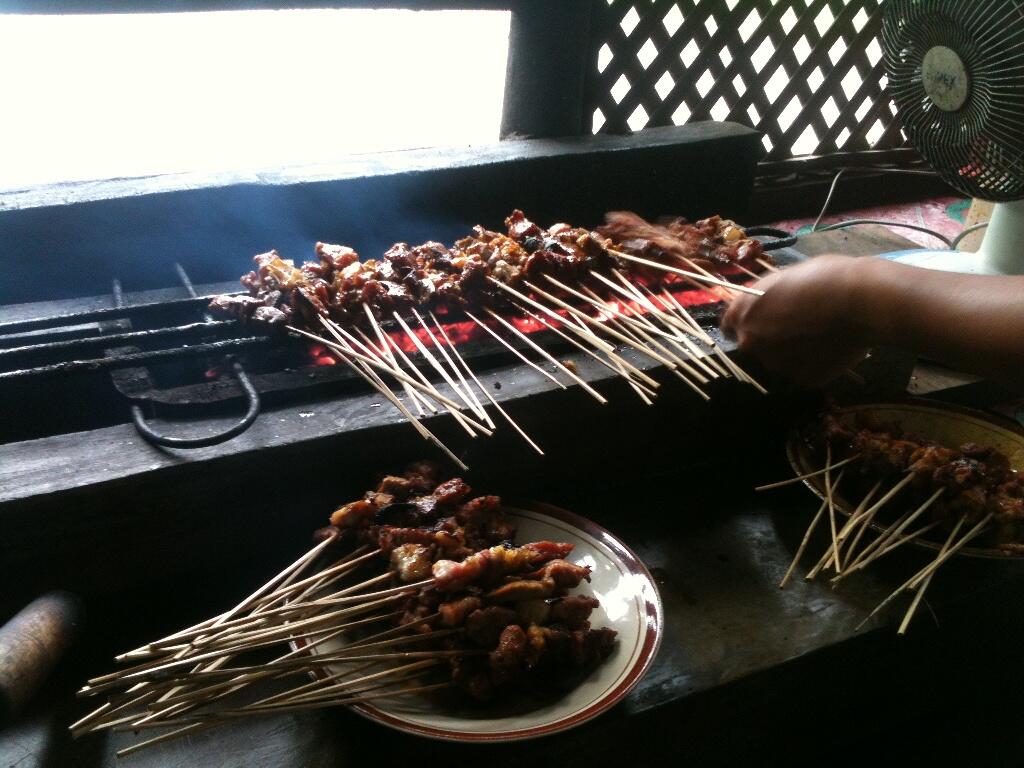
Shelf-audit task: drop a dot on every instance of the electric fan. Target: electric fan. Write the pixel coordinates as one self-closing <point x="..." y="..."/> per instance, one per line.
<point x="956" y="72"/>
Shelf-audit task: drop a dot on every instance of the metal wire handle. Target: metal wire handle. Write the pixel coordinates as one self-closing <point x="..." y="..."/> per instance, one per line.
<point x="783" y="239"/>
<point x="152" y="436"/>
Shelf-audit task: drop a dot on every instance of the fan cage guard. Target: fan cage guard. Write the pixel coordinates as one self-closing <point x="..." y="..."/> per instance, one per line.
<point x="979" y="148"/>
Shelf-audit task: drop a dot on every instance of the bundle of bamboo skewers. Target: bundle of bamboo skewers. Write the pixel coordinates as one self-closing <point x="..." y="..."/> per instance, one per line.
<point x="652" y="323"/>
<point x="211" y="672"/>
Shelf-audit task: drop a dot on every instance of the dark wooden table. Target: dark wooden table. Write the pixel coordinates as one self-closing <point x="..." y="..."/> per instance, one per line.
<point x="746" y="671"/>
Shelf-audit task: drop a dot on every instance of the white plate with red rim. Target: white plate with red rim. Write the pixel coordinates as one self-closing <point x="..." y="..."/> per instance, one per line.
<point x="630" y="605"/>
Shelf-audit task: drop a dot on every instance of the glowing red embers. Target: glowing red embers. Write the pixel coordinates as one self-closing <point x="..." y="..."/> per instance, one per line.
<point x="318" y="355"/>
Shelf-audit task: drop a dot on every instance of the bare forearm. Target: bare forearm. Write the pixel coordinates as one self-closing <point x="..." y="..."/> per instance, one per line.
<point x="969" y="322"/>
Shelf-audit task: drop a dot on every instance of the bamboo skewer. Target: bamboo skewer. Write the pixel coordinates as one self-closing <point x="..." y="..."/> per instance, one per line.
<point x="878" y="545"/>
<point x="345" y="354"/>
<point x="436" y="365"/>
<point x="462" y="387"/>
<point x="639" y="326"/>
<point x="580" y="329"/>
<point x="455" y="408"/>
<point x="870" y="514"/>
<point x="976" y="531"/>
<point x="479" y="410"/>
<point x="642" y="339"/>
<point x="236" y="713"/>
<point x="924" y="585"/>
<point x="729" y="363"/>
<point x="803" y="545"/>
<point x="344" y="349"/>
<point x="561" y="334"/>
<point x="681" y="336"/>
<point x="380" y="365"/>
<point x="513" y="350"/>
<point x="696" y="276"/>
<point x="385" y="350"/>
<point x="540" y="350"/>
<point x="596" y="323"/>
<point x="807" y="475"/>
<point x="917" y="578"/>
<point x="859" y="520"/>
<point x="490" y="397"/>
<point x="831" y="505"/>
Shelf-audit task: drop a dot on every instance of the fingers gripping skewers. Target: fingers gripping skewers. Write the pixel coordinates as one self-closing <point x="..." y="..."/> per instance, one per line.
<point x="370" y="314"/>
<point x="454" y="604"/>
<point x="925" y="491"/>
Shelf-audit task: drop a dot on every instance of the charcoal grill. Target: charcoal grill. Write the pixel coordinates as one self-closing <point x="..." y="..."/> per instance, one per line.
<point x="99" y="394"/>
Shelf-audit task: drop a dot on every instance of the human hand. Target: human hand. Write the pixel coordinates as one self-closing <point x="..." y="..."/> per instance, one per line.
<point x="808" y="325"/>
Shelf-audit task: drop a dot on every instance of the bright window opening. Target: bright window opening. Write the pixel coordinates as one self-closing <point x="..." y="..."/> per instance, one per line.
<point x="105" y="96"/>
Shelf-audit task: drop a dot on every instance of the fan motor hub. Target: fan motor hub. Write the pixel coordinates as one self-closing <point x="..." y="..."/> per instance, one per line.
<point x="945" y="78"/>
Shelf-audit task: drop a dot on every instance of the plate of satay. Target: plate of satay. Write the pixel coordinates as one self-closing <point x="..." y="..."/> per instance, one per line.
<point x="556" y="661"/>
<point x="423" y="607"/>
<point x="966" y="460"/>
<point x="937" y="476"/>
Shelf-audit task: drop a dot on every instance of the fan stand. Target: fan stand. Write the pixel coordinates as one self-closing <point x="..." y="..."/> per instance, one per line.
<point x="1001" y="251"/>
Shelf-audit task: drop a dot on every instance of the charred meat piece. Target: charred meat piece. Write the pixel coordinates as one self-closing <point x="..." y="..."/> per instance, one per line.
<point x="573" y="611"/>
<point x="455" y="612"/>
<point x="485" y="625"/>
<point x="356" y="514"/>
<point x="515" y="591"/>
<point x="590" y="646"/>
<point x="453" y="491"/>
<point x="563" y="574"/>
<point x="509" y="658"/>
<point x="411" y="562"/>
<point x="488" y="565"/>
<point x="713" y="242"/>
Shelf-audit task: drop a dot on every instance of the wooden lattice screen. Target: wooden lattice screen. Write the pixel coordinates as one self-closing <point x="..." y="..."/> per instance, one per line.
<point x="807" y="73"/>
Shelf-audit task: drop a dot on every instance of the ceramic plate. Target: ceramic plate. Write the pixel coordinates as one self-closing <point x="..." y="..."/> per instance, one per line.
<point x="629" y="604"/>
<point x="948" y="425"/>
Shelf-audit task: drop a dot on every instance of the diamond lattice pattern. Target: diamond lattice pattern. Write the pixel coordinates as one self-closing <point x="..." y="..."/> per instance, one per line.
<point x="807" y="73"/>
